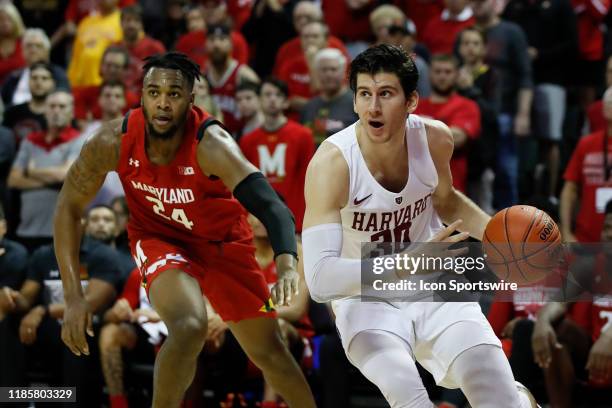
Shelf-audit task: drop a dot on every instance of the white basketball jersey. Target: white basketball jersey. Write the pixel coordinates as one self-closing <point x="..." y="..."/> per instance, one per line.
<point x="375" y="214"/>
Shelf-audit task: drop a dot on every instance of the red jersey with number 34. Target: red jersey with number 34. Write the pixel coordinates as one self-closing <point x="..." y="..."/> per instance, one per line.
<point x="176" y="202"/>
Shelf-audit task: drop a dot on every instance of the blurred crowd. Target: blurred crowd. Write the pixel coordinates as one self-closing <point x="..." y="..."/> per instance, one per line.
<point x="525" y="86"/>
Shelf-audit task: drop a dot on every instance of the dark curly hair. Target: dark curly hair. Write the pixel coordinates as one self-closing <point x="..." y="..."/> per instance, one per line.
<point x="174" y="60"/>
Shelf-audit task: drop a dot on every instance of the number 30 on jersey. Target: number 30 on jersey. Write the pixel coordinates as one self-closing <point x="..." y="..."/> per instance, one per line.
<point x="178" y="214"/>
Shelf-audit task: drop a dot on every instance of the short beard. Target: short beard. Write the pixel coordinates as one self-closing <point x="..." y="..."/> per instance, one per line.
<point x="443" y="92"/>
<point x="39" y="98"/>
<point x="161" y="135"/>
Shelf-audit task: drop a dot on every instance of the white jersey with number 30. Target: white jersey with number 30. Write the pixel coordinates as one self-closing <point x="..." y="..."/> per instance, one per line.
<point x="375" y="214"/>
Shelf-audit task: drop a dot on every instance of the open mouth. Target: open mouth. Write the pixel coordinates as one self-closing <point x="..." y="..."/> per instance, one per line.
<point x="162" y="120"/>
<point x="375" y="124"/>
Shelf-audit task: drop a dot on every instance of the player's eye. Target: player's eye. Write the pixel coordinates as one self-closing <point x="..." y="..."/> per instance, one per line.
<point x="364" y="93"/>
<point x="385" y="93"/>
<point x="153" y="93"/>
<point x="175" y="94"/>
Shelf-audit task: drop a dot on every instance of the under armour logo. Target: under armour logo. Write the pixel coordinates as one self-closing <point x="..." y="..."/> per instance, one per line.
<point x="134" y="163"/>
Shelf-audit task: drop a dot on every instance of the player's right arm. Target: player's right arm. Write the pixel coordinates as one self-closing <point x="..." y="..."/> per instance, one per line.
<point x="328" y="276"/>
<point x="99" y="155"/>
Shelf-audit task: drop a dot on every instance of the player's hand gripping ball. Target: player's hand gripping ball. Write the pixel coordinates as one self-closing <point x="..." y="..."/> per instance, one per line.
<point x="522" y="244"/>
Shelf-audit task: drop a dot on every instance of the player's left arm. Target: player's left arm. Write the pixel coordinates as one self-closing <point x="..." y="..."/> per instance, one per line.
<point x="451" y="204"/>
<point x="220" y="156"/>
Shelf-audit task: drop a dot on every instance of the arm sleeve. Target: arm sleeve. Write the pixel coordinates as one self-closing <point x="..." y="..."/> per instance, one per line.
<point x="258" y="197"/>
<point x="329" y="276"/>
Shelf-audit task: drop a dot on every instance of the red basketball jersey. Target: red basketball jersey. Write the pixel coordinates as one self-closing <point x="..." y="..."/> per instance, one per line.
<point x="176" y="202"/>
<point x="224" y="94"/>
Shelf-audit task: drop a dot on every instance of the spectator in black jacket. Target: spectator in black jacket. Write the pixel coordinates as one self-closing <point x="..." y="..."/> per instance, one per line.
<point x="507" y="55"/>
<point x="269" y="27"/>
<point x="32" y="327"/>
<point x="550" y="27"/>
<point x="478" y="81"/>
<point x="36" y="48"/>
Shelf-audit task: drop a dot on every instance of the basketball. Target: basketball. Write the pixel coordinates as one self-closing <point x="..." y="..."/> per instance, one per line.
<point x="522" y="244"/>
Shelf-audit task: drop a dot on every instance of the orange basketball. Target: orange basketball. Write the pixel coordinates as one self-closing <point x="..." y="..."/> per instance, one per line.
<point x="522" y="244"/>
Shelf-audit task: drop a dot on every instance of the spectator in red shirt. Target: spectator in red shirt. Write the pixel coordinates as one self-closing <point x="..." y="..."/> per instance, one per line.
<point x="304" y="12"/>
<point x="11" y="30"/>
<point x="297" y="73"/>
<point x="421" y="12"/>
<point x="224" y="74"/>
<point x="281" y="148"/>
<point x="349" y="21"/>
<point x="460" y="114"/>
<point x="595" y="110"/>
<point x="138" y="44"/>
<point x="193" y="43"/>
<point x="586" y="181"/>
<point x="112" y="69"/>
<point x="441" y="31"/>
<point x="587" y="358"/>
<point x="239" y="11"/>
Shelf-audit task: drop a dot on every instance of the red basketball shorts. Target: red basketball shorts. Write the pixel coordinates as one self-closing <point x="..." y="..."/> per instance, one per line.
<point x="227" y="272"/>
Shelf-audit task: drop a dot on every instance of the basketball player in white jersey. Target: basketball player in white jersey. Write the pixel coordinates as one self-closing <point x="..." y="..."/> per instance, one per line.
<point x="387" y="178"/>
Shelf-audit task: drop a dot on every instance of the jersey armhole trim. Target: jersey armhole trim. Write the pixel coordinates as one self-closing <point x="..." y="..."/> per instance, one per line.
<point x="208" y="122"/>
<point x="200" y="135"/>
<point x="124" y="124"/>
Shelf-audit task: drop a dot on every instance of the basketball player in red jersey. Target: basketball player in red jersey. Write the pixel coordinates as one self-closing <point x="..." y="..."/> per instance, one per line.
<point x="179" y="167"/>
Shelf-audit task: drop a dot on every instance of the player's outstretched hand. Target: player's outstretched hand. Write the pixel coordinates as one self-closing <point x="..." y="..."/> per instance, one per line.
<point x="77" y="318"/>
<point x="286" y="286"/>
<point x="543" y="341"/>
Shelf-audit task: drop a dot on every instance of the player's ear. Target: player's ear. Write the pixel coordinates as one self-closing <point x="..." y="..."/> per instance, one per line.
<point x="192" y="98"/>
<point x="286" y="104"/>
<point x="412" y="101"/>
